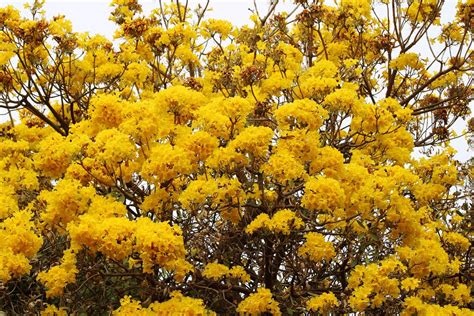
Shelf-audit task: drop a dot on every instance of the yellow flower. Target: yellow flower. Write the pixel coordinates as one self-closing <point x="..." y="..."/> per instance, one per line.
<point x="259" y="222"/>
<point x="253" y="140"/>
<point x="300" y="114"/>
<point x="18" y="243"/>
<point x="178" y="304"/>
<point x="201" y="144"/>
<point x="211" y="27"/>
<point x="410" y="284"/>
<point x="323" y="193"/>
<point x="316" y="248"/>
<point x="160" y="244"/>
<point x="373" y="284"/>
<point x="281" y="222"/>
<point x="56" y="278"/>
<point x="111" y="147"/>
<point x="180" y="102"/>
<point x="406" y="60"/>
<point x="197" y="193"/>
<point x="322" y="303"/>
<point x="55" y="154"/>
<point x="238" y="272"/>
<point x="65" y="203"/>
<point x="52" y="310"/>
<point x="356" y="8"/>
<point x="215" y="271"/>
<point x="166" y="162"/>
<point x="457" y="240"/>
<point x="319" y="80"/>
<point x="343" y="99"/>
<point x="259" y="302"/>
<point x="283" y="167"/>
<point x="106" y="110"/>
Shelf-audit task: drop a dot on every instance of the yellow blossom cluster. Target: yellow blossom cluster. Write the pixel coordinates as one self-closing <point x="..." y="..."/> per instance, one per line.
<point x="258" y="303"/>
<point x="106" y="111"/>
<point x="419" y="10"/>
<point x="283" y="167"/>
<point x="179" y="101"/>
<point x="414" y="305"/>
<point x="55" y="155"/>
<point x="17" y="167"/>
<point x="322" y="303"/>
<point x="303" y="113"/>
<point x="216" y="271"/>
<point x="328" y="160"/>
<point x="427" y="257"/>
<point x="344" y="99"/>
<point x="118" y="237"/>
<point x="253" y="141"/>
<point x="178" y="304"/>
<point x="323" y="193"/>
<point x="357" y="9"/>
<point x="58" y="277"/>
<point x="165" y="163"/>
<point x="18" y="244"/>
<point x="197" y="193"/>
<point x="65" y="203"/>
<point x="224" y="117"/>
<point x="319" y="80"/>
<point x="457" y="240"/>
<point x="283" y="221"/>
<point x="316" y="248"/>
<point x="378" y="123"/>
<point x="53" y="310"/>
<point x="406" y="60"/>
<point x="373" y="284"/>
<point x="213" y="27"/>
<point x="162" y="244"/>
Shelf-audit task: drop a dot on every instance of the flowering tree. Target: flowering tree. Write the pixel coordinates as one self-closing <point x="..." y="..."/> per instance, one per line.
<point x="299" y="164"/>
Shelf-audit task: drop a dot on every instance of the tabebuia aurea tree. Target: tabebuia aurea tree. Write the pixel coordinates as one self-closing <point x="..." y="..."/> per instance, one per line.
<point x="299" y="164"/>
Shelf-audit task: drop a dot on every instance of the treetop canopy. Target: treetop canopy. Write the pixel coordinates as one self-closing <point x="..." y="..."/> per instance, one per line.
<point x="193" y="167"/>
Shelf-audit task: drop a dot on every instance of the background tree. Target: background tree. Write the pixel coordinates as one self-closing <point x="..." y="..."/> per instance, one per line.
<point x="299" y="164"/>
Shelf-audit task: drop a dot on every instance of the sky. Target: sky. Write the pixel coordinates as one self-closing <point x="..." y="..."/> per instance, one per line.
<point x="92" y="16"/>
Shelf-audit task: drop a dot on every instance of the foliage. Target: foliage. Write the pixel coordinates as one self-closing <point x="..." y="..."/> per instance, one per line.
<point x="298" y="164"/>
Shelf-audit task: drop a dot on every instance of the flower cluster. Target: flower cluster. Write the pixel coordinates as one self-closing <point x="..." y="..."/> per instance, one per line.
<point x="216" y="271"/>
<point x="281" y="222"/>
<point x="259" y="302"/>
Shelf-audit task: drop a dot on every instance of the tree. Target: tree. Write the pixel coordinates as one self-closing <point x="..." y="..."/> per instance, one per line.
<point x="299" y="164"/>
